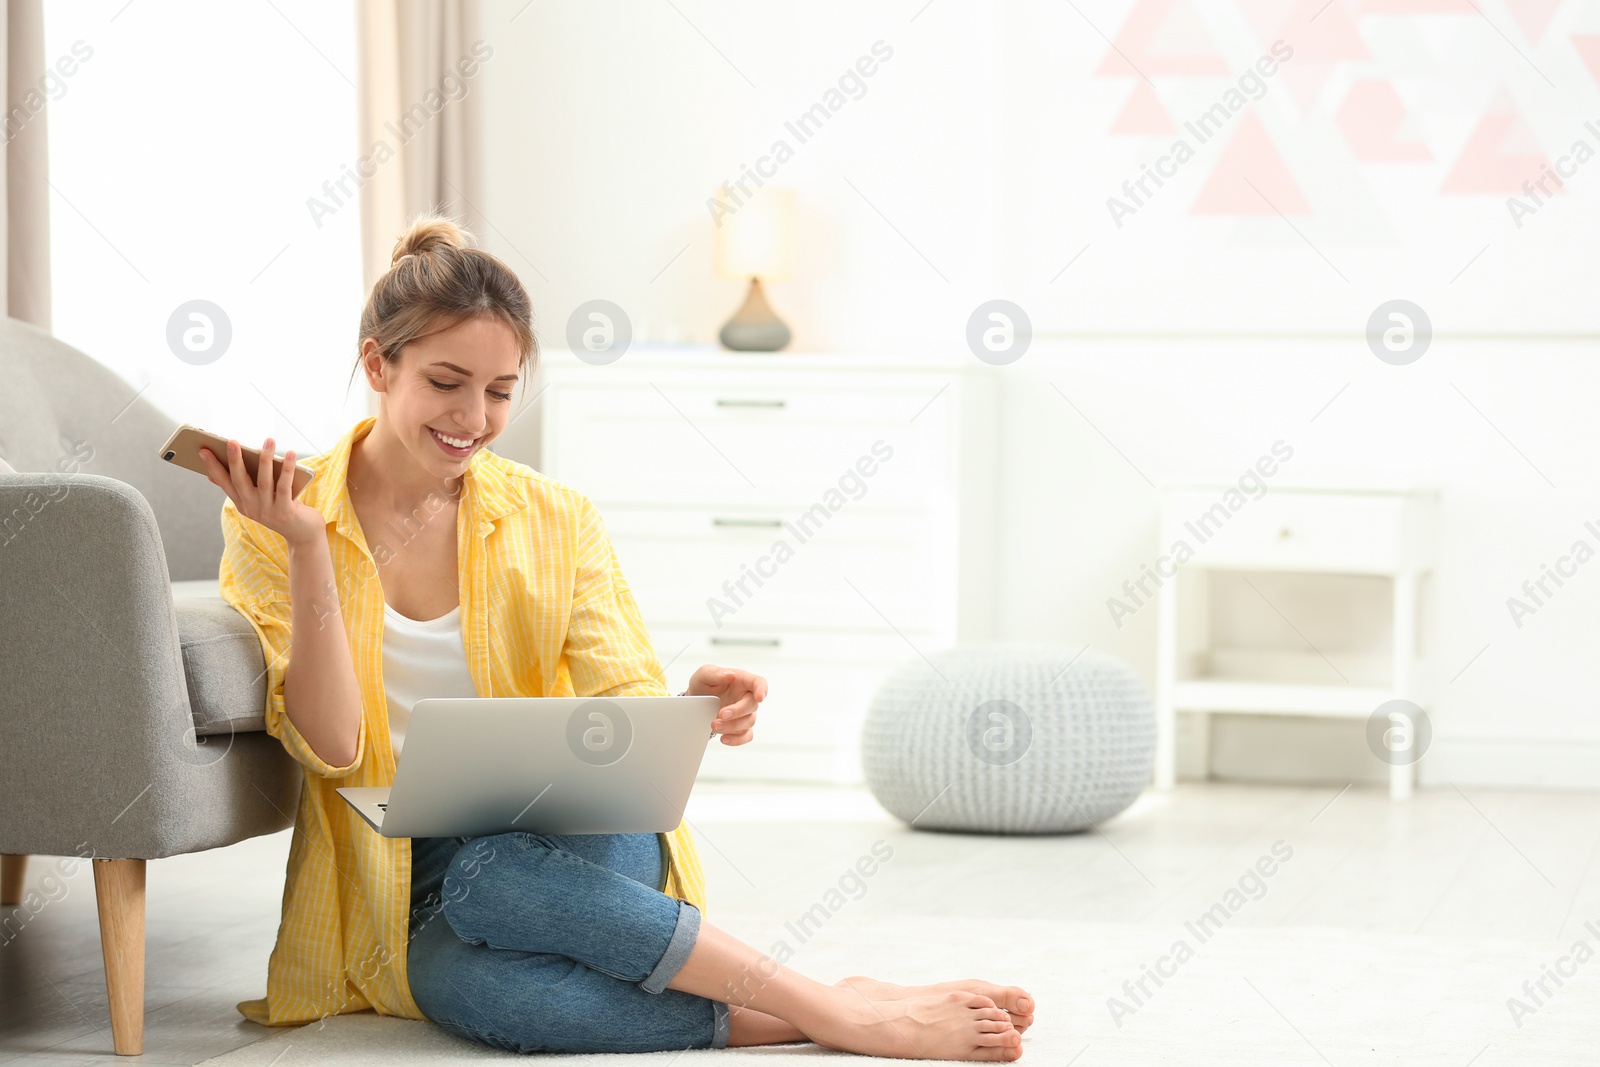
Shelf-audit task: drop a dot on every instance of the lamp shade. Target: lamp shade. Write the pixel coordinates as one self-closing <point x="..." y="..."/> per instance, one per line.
<point x="757" y="239"/>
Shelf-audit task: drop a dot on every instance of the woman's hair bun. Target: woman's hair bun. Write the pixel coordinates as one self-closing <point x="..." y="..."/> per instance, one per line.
<point x="426" y="233"/>
<point x="438" y="278"/>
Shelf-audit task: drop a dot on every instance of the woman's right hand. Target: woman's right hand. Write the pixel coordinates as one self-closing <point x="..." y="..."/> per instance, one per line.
<point x="270" y="505"/>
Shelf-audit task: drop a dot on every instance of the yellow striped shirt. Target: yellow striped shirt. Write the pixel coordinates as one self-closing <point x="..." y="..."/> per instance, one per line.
<point x="545" y="611"/>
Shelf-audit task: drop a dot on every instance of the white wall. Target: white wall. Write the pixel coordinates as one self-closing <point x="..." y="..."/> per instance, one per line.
<point x="609" y="124"/>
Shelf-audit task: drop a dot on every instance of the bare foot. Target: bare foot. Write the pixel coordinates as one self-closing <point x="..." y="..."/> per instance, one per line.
<point x="951" y="1025"/>
<point x="1013" y="999"/>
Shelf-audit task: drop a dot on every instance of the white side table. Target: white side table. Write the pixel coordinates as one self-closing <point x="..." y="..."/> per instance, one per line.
<point x="1388" y="533"/>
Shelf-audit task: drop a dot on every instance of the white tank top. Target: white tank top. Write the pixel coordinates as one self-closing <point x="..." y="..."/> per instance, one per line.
<point x="421" y="659"/>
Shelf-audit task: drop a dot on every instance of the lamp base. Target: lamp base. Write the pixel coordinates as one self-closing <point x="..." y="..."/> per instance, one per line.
<point x="754" y="327"/>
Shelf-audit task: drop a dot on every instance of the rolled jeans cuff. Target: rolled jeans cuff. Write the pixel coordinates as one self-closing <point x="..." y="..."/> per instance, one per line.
<point x="678" y="949"/>
<point x="722" y="1018"/>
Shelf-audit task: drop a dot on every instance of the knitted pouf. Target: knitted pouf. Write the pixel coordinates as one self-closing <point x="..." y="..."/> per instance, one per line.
<point x="1008" y="738"/>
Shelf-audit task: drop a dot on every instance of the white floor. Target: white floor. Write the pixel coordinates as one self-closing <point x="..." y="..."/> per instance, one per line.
<point x="1471" y="893"/>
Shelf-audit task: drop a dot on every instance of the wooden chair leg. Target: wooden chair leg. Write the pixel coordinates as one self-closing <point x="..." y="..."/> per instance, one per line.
<point x="12" y="868"/>
<point x="119" y="893"/>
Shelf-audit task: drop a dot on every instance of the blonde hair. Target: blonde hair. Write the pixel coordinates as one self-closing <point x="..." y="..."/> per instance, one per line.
<point x="435" y="280"/>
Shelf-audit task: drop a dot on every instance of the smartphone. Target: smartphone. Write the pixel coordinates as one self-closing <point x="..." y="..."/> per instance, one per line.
<point x="183" y="448"/>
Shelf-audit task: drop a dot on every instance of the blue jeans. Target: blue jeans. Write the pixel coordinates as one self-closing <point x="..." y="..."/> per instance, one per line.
<point x="555" y="943"/>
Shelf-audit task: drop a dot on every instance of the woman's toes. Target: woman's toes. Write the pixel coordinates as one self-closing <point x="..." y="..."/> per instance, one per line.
<point x="1013" y="998"/>
<point x="1001" y="1038"/>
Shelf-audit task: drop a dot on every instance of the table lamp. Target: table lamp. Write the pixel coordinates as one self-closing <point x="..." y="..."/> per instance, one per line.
<point x="756" y="241"/>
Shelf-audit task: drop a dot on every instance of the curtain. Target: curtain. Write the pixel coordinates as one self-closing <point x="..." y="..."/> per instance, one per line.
<point x="27" y="191"/>
<point x="420" y="75"/>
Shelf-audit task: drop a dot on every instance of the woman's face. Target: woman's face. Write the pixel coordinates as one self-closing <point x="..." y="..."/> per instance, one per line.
<point x="457" y="382"/>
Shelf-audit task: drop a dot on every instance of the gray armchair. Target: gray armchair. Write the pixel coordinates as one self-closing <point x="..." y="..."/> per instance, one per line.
<point x="130" y="719"/>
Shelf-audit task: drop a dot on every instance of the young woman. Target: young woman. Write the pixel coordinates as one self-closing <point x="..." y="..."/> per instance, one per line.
<point x="418" y="563"/>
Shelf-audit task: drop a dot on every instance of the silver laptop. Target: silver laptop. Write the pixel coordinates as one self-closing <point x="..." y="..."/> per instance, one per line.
<point x="546" y="765"/>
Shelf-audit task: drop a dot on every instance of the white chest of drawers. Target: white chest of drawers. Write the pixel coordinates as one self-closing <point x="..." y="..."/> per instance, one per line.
<point x="815" y="519"/>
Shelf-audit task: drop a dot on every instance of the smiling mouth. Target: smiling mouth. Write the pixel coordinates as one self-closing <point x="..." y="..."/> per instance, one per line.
<point x="454" y="449"/>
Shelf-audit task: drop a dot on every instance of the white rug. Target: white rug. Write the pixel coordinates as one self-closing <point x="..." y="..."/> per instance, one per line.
<point x="1283" y="995"/>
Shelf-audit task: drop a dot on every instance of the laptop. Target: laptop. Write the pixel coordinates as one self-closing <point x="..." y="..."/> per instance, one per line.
<point x="545" y="765"/>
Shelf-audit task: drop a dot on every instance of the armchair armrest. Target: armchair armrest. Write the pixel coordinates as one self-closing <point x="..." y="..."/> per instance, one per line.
<point x="98" y="744"/>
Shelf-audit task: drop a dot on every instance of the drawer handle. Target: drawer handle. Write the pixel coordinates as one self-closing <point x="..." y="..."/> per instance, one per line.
<point x="777" y="523"/>
<point x="764" y="642"/>
<point x="726" y="402"/>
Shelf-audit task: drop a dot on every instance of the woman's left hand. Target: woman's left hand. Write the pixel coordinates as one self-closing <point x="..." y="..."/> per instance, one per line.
<point x="739" y="691"/>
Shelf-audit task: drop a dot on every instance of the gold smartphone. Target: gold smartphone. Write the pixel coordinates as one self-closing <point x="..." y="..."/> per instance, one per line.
<point x="183" y="448"/>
